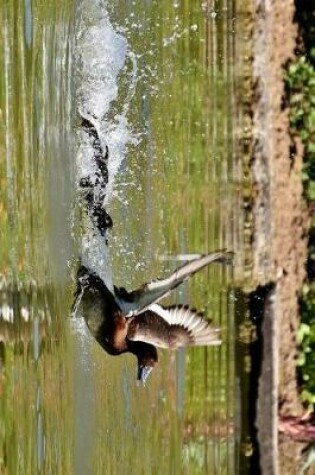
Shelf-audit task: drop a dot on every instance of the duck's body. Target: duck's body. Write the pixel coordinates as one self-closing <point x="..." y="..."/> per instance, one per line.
<point x="103" y="316"/>
<point x="134" y="322"/>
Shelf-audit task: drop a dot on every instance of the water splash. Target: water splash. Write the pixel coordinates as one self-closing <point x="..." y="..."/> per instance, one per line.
<point x="102" y="58"/>
<point x="106" y="78"/>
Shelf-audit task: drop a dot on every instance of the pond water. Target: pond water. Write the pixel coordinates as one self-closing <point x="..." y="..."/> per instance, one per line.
<point x="158" y="80"/>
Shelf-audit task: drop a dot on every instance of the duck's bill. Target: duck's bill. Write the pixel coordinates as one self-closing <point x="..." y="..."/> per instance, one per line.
<point x="143" y="373"/>
<point x="76" y="302"/>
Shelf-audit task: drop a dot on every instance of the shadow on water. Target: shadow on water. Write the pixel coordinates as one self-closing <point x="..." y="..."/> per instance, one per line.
<point x="253" y="316"/>
<point x="158" y="86"/>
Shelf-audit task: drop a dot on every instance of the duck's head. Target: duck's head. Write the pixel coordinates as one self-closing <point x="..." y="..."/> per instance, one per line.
<point x="86" y="280"/>
<point x="147" y="359"/>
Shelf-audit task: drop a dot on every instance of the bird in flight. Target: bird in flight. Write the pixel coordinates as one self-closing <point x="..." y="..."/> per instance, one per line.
<point x="135" y="322"/>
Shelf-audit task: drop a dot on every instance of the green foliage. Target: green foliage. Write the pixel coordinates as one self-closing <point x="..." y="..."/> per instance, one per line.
<point x="305" y="17"/>
<point x="306" y="338"/>
<point x="300" y="82"/>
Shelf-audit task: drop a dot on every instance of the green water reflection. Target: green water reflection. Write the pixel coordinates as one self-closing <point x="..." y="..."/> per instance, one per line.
<point x="66" y="407"/>
<point x="184" y="199"/>
<point x="35" y="407"/>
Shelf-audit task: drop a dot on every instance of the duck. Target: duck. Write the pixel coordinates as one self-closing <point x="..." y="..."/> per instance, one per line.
<point x="135" y="322"/>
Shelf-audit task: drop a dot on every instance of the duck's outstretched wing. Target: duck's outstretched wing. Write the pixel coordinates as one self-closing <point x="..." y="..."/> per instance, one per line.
<point x="173" y="327"/>
<point x="137" y="301"/>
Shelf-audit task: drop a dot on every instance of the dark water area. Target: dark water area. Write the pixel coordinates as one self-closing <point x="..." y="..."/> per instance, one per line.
<point x="158" y="81"/>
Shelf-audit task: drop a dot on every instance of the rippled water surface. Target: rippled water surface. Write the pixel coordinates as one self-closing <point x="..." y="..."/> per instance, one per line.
<point x="157" y="79"/>
<point x="35" y="102"/>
